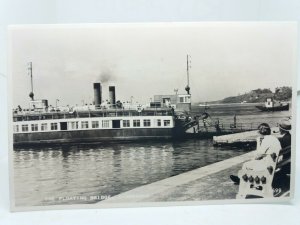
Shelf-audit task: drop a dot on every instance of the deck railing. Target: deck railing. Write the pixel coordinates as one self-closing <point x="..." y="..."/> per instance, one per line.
<point x="229" y="127"/>
<point x="32" y="115"/>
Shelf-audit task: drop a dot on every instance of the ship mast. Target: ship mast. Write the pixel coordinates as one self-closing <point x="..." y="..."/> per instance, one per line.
<point x="188" y="66"/>
<point x="31" y="94"/>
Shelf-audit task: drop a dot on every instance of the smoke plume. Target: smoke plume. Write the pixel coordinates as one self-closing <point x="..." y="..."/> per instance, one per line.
<point x="106" y="76"/>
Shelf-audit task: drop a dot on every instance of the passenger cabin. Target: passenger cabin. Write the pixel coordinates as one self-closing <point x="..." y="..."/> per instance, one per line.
<point x="269" y="103"/>
<point x="40" y="105"/>
<point x="179" y="102"/>
<point x="97" y="119"/>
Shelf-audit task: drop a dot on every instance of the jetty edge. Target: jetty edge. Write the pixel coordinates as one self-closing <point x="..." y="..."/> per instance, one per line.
<point x="199" y="184"/>
<point x="244" y="139"/>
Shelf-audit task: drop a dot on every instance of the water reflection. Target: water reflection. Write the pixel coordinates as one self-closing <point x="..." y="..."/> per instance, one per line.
<point x="104" y="169"/>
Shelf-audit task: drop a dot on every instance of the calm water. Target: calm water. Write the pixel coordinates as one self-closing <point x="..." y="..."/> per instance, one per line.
<point x="245" y="114"/>
<point x="88" y="173"/>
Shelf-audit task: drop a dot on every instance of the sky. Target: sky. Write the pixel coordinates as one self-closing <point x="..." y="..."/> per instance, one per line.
<point x="143" y="60"/>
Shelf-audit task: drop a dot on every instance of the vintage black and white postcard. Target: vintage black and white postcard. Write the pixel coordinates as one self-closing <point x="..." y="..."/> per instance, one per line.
<point x="117" y="115"/>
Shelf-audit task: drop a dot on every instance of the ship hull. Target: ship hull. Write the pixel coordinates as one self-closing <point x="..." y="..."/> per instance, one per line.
<point x="90" y="136"/>
<point x="272" y="109"/>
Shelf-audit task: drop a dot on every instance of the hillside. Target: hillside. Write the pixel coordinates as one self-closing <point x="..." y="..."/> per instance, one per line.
<point x="259" y="95"/>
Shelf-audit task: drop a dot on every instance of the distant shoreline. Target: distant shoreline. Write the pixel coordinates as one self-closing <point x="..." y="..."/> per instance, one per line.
<point x="257" y="96"/>
<point x="213" y="104"/>
<point x="233" y="103"/>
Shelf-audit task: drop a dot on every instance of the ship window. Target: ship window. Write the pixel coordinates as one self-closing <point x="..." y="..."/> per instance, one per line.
<point x="116" y="124"/>
<point x="105" y="123"/>
<point x="167" y="123"/>
<point x="95" y="124"/>
<point x="73" y="125"/>
<point x="84" y="124"/>
<point x="25" y="128"/>
<point x="44" y="127"/>
<point x="63" y="126"/>
<point x="126" y="123"/>
<point x="16" y="128"/>
<point x="166" y="100"/>
<point x="53" y="126"/>
<point x="136" y="123"/>
<point x="187" y="99"/>
<point x="159" y="123"/>
<point x="147" y="123"/>
<point x="34" y="127"/>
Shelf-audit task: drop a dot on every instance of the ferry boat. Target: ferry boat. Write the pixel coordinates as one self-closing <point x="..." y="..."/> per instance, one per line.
<point x="271" y="105"/>
<point x="41" y="124"/>
<point x="108" y="125"/>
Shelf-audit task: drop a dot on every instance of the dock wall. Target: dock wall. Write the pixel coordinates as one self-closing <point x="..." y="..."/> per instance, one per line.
<point x="189" y="186"/>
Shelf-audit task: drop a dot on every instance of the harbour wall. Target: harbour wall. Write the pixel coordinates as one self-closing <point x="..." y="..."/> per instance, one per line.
<point x="206" y="183"/>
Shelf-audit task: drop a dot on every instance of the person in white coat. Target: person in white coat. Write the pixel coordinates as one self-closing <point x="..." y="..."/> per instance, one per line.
<point x="266" y="145"/>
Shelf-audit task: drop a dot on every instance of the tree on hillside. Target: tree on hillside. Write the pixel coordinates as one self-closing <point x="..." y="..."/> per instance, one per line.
<point x="283" y="93"/>
<point x="261" y="91"/>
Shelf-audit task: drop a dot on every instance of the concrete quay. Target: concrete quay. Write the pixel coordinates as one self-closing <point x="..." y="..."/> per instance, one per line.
<point x="243" y="138"/>
<point x="211" y="182"/>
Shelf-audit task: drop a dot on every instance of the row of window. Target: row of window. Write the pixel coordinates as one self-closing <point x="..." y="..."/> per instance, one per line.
<point x="74" y="125"/>
<point x="54" y="126"/>
<point x="34" y="127"/>
<point x="146" y="123"/>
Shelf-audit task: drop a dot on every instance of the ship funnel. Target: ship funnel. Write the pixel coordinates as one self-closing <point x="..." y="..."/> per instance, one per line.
<point x="97" y="95"/>
<point x="112" y="95"/>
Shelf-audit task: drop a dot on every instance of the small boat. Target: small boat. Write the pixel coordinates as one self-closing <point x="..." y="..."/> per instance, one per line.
<point x="271" y="105"/>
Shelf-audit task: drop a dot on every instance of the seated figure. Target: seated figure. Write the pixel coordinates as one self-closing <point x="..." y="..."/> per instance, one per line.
<point x="285" y="141"/>
<point x="264" y="143"/>
<point x="257" y="176"/>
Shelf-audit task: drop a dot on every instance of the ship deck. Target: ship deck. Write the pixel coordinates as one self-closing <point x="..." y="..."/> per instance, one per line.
<point x="32" y="115"/>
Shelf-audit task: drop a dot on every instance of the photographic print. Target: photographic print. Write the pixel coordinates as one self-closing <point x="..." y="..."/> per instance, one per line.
<point x="116" y="115"/>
